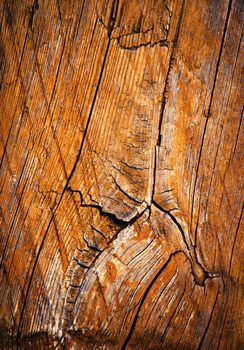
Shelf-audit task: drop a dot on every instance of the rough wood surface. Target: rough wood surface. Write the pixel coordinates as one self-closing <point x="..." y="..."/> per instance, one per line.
<point x="121" y="174"/>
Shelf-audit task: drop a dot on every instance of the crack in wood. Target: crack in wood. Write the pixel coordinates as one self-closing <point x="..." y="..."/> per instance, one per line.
<point x="129" y="335"/>
<point x="96" y="205"/>
<point x="33" y="9"/>
<point x="209" y="112"/>
<point x="68" y="322"/>
<point x="209" y="321"/>
<point x="198" y="271"/>
<point x="161" y="43"/>
<point x="76" y="279"/>
<point x="173" y="314"/>
<point x="136" y="31"/>
<point x="164" y="101"/>
<point x="64" y="190"/>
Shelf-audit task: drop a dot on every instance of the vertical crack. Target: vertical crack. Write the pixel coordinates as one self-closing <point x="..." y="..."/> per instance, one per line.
<point x="34" y="8"/>
<point x="132" y="328"/>
<point x="113" y="15"/>
<point x="209" y="321"/>
<point x="165" y="98"/>
<point x="111" y="21"/>
<point x="197" y="270"/>
<point x="209" y="110"/>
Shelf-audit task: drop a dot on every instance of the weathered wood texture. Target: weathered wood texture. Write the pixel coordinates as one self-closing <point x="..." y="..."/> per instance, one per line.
<point x="121" y="174"/>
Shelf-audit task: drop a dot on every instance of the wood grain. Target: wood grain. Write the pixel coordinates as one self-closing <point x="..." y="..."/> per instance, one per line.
<point x="121" y="174"/>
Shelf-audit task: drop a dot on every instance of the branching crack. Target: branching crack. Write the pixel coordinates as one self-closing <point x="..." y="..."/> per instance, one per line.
<point x="199" y="273"/>
<point x="110" y="27"/>
<point x="112" y="18"/>
<point x="111" y="216"/>
<point x="174" y="220"/>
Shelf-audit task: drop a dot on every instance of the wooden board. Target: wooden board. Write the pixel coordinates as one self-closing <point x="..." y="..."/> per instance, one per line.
<point x="121" y="174"/>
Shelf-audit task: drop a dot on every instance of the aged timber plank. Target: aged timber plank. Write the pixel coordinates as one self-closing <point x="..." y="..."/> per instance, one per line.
<point x="121" y="197"/>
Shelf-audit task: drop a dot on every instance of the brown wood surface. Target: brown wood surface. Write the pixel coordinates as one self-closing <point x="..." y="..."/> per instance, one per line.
<point x="121" y="180"/>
